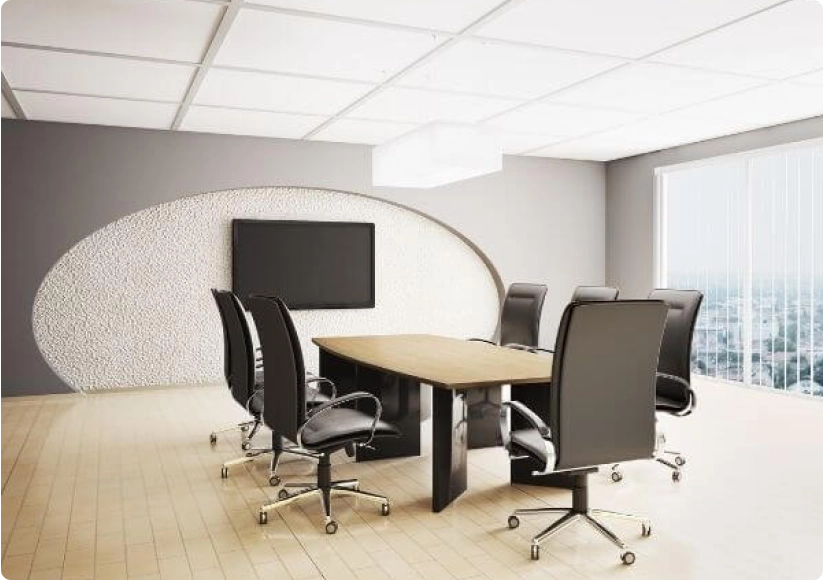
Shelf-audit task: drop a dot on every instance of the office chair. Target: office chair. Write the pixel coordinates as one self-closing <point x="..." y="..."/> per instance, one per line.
<point x="594" y="294"/>
<point x="587" y="294"/>
<point x="324" y="429"/>
<point x="244" y="376"/>
<point x="674" y="394"/>
<point x="519" y="329"/>
<point x="600" y="413"/>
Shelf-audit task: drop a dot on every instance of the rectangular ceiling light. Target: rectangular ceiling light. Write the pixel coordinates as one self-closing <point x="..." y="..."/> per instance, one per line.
<point x="436" y="154"/>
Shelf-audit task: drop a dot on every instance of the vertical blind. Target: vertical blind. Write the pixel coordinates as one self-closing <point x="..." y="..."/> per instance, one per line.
<point x="748" y="233"/>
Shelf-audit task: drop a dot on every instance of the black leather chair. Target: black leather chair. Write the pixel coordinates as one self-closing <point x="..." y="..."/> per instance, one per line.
<point x="588" y="294"/>
<point x="594" y="294"/>
<point x="519" y="329"/>
<point x="600" y="413"/>
<point x="324" y="429"/>
<point x="675" y="395"/>
<point x="240" y="368"/>
<point x="244" y="376"/>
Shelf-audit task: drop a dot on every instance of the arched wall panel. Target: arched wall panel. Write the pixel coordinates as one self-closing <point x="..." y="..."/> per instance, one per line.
<point x="130" y="304"/>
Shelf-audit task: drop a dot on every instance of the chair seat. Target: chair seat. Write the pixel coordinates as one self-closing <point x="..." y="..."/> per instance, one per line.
<point x="529" y="442"/>
<point x="669" y="405"/>
<point x="336" y="427"/>
<point x="314" y="398"/>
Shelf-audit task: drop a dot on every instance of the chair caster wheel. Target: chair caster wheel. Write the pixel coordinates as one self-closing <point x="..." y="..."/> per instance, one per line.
<point x="385" y="509"/>
<point x="274" y="480"/>
<point x="680" y="461"/>
<point x="617" y="476"/>
<point x="213" y="438"/>
<point x="676" y="475"/>
<point x="244" y="428"/>
<point x="514" y="521"/>
<point x="331" y="527"/>
<point x="283" y="494"/>
<point x="246" y="445"/>
<point x="263" y="518"/>
<point x="224" y="473"/>
<point x="646" y="530"/>
<point x="535" y="552"/>
<point x="627" y="558"/>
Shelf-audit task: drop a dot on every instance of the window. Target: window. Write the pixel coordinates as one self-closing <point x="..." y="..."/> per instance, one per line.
<point x="747" y="231"/>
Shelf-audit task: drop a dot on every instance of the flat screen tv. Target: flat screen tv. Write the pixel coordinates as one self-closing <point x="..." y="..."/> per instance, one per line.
<point x="310" y="265"/>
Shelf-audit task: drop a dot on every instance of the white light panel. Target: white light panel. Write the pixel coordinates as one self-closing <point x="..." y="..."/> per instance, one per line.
<point x="784" y="41"/>
<point x="95" y="75"/>
<point x="436" y="154"/>
<point x="361" y="131"/>
<point x="491" y="68"/>
<point x="565" y="120"/>
<point x="282" y="93"/>
<point x="653" y="88"/>
<point x="451" y="16"/>
<point x="239" y="122"/>
<point x="96" y="110"/>
<point x="294" y="44"/>
<point x="169" y="30"/>
<point x="630" y="28"/>
<point x="418" y="106"/>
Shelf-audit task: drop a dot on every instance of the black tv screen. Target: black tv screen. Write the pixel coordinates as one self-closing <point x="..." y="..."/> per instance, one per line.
<point x="310" y="265"/>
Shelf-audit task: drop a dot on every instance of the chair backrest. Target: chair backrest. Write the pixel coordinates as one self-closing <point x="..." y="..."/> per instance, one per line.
<point x="238" y="348"/>
<point x="603" y="381"/>
<point x="217" y="294"/>
<point x="520" y="315"/>
<point x="676" y="348"/>
<point x="594" y="294"/>
<point x="284" y="398"/>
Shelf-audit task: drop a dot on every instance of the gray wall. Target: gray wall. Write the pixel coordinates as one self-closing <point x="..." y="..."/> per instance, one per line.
<point x="538" y="220"/>
<point x="630" y="198"/>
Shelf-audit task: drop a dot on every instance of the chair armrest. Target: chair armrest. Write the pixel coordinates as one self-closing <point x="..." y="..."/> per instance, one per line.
<point x="516" y="346"/>
<point x="322" y="380"/>
<point x="482" y="340"/>
<point x="340" y="401"/>
<point x="527" y="414"/>
<point x="689" y="390"/>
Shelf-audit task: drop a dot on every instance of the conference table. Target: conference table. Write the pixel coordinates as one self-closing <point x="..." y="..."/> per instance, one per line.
<point x="393" y="367"/>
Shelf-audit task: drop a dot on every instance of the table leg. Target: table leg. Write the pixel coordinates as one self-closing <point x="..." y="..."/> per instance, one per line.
<point x="537" y="398"/>
<point x="400" y="398"/>
<point x="449" y="443"/>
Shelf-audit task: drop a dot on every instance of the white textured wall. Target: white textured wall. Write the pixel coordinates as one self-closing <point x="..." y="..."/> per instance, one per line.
<point x="130" y="304"/>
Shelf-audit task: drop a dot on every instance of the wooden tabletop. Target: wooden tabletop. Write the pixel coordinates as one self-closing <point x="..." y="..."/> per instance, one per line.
<point x="440" y="361"/>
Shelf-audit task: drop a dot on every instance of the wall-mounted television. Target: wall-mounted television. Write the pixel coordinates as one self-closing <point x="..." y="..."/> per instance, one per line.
<point x="310" y="265"/>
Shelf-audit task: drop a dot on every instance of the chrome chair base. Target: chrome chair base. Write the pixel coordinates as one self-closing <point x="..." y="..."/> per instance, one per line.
<point x="253" y="454"/>
<point x="660" y="457"/>
<point x="242" y="427"/>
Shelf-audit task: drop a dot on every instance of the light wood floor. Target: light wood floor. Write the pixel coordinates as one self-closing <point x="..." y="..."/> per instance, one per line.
<point x="126" y="485"/>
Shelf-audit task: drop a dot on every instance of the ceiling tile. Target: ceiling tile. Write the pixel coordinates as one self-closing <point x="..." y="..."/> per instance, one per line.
<point x="815" y="79"/>
<point x="784" y="41"/>
<point x="769" y="105"/>
<point x="293" y="44"/>
<point x="95" y="75"/>
<point x="96" y="110"/>
<point x="170" y="30"/>
<point x="362" y="131"/>
<point x="451" y="16"/>
<point x="418" y="106"/>
<point x="517" y="143"/>
<point x="238" y="122"/>
<point x="651" y="134"/>
<point x="8" y="112"/>
<point x="653" y="88"/>
<point x="491" y="68"/>
<point x="563" y="120"/>
<point x="281" y="93"/>
<point x="630" y="28"/>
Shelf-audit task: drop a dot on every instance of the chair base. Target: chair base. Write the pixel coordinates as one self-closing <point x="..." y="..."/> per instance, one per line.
<point x="580" y="511"/>
<point x="660" y="457"/>
<point x="276" y="453"/>
<point x="325" y="488"/>
<point x="243" y="427"/>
